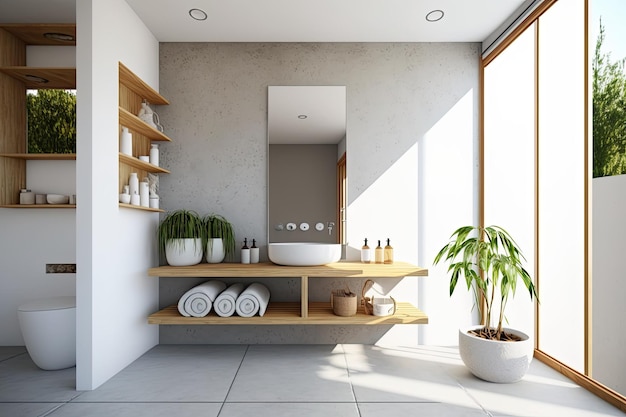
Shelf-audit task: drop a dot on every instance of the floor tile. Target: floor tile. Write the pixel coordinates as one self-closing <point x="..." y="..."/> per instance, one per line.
<point x="405" y="375"/>
<point x="292" y="373"/>
<point x="542" y="392"/>
<point x="27" y="409"/>
<point x="137" y="410"/>
<point x="290" y="410"/>
<point x="173" y="373"/>
<point x="7" y="352"/>
<point x="22" y="381"/>
<point x="418" y="409"/>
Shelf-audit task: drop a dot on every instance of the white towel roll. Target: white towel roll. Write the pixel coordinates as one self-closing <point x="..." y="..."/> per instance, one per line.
<point x="225" y="303"/>
<point x="253" y="300"/>
<point x="197" y="302"/>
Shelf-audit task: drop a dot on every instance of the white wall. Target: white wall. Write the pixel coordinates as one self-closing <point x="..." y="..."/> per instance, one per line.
<point x="115" y="247"/>
<point x="411" y="142"/>
<point x="609" y="283"/>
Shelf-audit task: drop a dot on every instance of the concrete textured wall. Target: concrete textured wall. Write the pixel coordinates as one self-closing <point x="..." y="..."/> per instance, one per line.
<point x="402" y="100"/>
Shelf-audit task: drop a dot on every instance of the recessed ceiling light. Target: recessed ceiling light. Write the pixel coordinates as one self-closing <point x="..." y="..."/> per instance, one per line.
<point x="302" y="116"/>
<point x="434" y="15"/>
<point x="59" y="36"/>
<point x="198" y="14"/>
<point x="35" y="79"/>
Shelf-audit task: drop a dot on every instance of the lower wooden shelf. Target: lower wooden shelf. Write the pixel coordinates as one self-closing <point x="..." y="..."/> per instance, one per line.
<point x="289" y="313"/>
<point x="39" y="206"/>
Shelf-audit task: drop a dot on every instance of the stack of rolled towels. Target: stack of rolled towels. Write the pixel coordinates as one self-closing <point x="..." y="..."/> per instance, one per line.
<point x="246" y="301"/>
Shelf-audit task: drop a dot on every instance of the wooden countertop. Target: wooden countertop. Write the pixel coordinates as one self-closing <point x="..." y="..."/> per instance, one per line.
<point x="268" y="269"/>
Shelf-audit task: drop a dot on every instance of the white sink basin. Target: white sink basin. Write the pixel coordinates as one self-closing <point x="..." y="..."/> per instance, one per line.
<point x="304" y="253"/>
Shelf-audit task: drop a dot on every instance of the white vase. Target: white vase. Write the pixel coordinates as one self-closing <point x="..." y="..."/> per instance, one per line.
<point x="215" y="251"/>
<point x="154" y="154"/>
<point x="126" y="142"/>
<point x="133" y="183"/>
<point x="493" y="360"/>
<point x="183" y="252"/>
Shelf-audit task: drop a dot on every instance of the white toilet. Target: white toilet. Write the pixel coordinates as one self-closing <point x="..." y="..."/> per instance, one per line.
<point x="49" y="329"/>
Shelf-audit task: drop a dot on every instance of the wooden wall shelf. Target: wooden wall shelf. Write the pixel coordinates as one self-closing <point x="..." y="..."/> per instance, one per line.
<point x="34" y="33"/>
<point x="137" y="125"/>
<point x="41" y="156"/>
<point x="289" y="313"/>
<point x="139" y="86"/>
<point x="39" y="206"/>
<point x="139" y="164"/>
<point x="130" y="206"/>
<point x="61" y="78"/>
<point x="293" y="313"/>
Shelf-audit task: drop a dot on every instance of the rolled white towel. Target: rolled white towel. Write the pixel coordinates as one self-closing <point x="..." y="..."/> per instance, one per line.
<point x="225" y="303"/>
<point x="254" y="299"/>
<point x="197" y="302"/>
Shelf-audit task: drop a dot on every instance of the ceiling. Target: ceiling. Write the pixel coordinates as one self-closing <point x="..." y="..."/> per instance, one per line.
<point x="294" y="20"/>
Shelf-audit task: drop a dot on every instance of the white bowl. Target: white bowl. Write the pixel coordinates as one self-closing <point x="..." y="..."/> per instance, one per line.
<point x="383" y="306"/>
<point x="57" y="199"/>
<point x="304" y="253"/>
<point x="125" y="198"/>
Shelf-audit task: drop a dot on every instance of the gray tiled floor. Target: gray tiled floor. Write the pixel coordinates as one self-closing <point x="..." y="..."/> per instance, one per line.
<point x="290" y="381"/>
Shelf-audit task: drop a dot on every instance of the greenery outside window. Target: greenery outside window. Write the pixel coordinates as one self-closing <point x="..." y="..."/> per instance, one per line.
<point x="51" y="116"/>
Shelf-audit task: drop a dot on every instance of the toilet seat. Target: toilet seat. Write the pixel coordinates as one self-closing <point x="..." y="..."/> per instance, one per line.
<point x="47" y="304"/>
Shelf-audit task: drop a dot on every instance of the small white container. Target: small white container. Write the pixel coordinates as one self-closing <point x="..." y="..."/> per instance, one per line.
<point x="144" y="158"/>
<point x="154" y="202"/>
<point x="133" y="183"/>
<point x="27" y="197"/>
<point x="383" y="307"/>
<point x="134" y="199"/>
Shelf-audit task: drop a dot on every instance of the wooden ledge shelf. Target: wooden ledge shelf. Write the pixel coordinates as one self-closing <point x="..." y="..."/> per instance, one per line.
<point x="137" y="125"/>
<point x="139" y="164"/>
<point x="39" y="206"/>
<point x="289" y="313"/>
<point x="270" y="270"/>
<point x="130" y="206"/>
<point x="61" y="78"/>
<point x="41" y="156"/>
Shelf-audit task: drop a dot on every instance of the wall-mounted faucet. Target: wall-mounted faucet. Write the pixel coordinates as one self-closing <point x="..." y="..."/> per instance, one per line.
<point x="330" y="227"/>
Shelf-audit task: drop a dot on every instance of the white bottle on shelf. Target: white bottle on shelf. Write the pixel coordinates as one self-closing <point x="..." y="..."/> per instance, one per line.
<point x="144" y="194"/>
<point x="154" y="154"/>
<point x="126" y="142"/>
<point x="133" y="184"/>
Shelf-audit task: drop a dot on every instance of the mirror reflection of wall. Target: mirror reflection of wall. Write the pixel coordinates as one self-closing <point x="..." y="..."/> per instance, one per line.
<point x="306" y="138"/>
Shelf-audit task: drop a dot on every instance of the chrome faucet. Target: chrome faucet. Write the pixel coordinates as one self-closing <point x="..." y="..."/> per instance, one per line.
<point x="330" y="227"/>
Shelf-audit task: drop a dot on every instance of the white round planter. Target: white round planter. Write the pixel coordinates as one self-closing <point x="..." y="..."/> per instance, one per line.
<point x="493" y="360"/>
<point x="183" y="252"/>
<point x="215" y="251"/>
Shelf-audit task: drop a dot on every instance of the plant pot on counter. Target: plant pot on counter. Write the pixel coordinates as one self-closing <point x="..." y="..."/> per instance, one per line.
<point x="215" y="250"/>
<point x="184" y="252"/>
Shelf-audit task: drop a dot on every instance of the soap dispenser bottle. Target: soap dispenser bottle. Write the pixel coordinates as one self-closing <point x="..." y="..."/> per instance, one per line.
<point x="254" y="253"/>
<point x="378" y="254"/>
<point x="245" y="252"/>
<point x="388" y="253"/>
<point x="366" y="254"/>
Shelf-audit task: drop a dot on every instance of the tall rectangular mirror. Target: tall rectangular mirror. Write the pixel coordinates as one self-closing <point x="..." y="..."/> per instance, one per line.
<point x="306" y="140"/>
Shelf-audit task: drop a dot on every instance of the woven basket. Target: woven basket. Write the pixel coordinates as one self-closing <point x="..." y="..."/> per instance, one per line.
<point x="343" y="303"/>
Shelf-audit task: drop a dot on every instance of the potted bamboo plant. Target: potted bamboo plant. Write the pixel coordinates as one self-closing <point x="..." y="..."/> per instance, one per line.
<point x="491" y="263"/>
<point x="220" y="238"/>
<point x="181" y="237"/>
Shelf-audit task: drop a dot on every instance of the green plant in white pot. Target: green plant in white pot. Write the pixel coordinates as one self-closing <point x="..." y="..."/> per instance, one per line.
<point x="220" y="238"/>
<point x="491" y="263"/>
<point x="181" y="237"/>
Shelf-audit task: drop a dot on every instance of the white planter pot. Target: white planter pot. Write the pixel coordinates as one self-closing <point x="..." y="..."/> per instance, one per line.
<point x="183" y="252"/>
<point x="215" y="251"/>
<point x="493" y="360"/>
